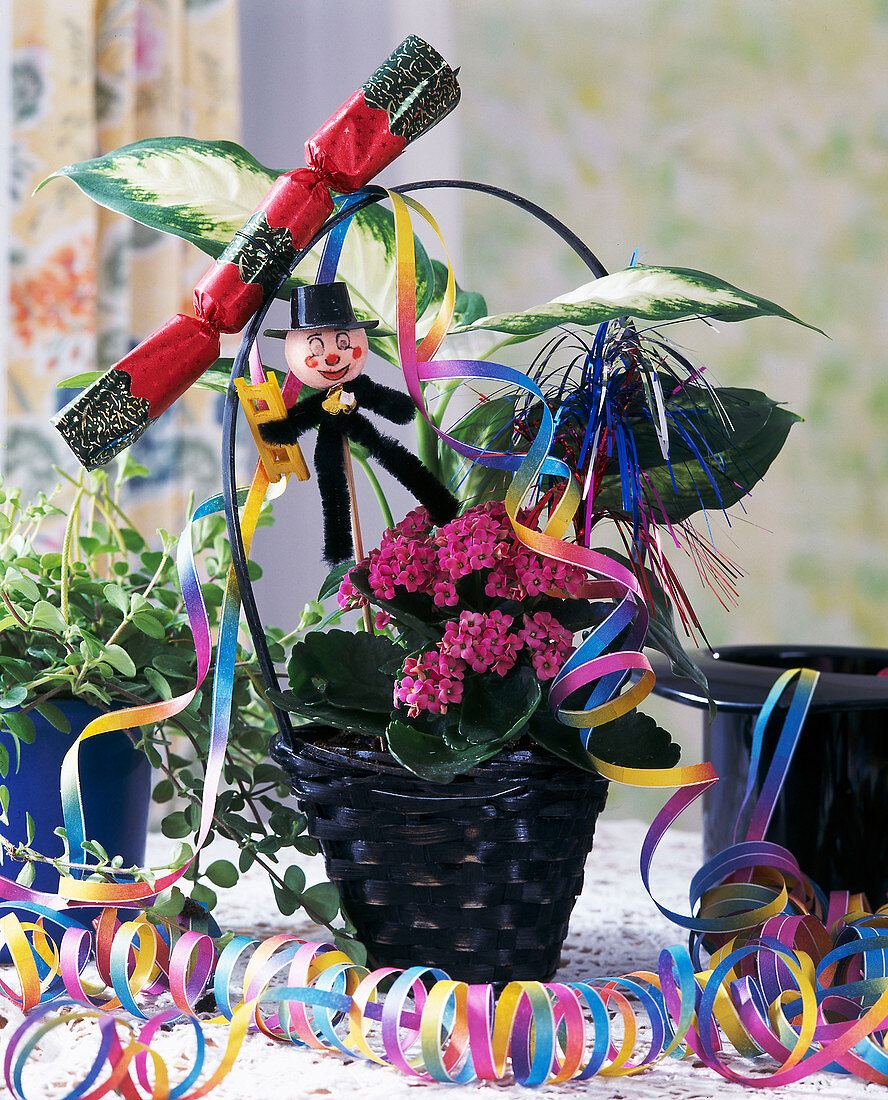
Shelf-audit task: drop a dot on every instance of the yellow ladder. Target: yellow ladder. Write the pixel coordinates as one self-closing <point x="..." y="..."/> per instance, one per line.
<point x="263" y="402"/>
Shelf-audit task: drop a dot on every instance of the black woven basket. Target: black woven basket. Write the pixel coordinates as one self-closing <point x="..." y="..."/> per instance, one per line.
<point x="478" y="876"/>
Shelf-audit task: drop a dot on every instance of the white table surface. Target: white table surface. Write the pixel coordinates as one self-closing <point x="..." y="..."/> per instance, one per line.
<point x="615" y="929"/>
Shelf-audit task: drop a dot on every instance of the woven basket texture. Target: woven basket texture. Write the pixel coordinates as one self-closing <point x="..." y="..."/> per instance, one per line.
<point x="477" y="877"/>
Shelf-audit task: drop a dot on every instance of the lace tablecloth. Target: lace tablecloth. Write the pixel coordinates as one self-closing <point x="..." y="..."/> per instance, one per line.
<point x="615" y="929"/>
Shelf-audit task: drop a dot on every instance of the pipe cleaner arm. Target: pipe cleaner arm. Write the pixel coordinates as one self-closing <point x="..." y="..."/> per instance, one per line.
<point x="304" y="415"/>
<point x="438" y="501"/>
<point x="394" y="405"/>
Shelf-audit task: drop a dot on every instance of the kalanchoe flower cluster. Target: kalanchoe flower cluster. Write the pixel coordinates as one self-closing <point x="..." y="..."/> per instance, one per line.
<point x="429" y="682"/>
<point x="465" y="569"/>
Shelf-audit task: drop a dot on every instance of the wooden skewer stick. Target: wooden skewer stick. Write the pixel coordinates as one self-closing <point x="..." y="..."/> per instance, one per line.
<point x="355" y="522"/>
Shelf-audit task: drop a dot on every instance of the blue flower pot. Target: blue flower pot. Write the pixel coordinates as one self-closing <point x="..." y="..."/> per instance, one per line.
<point x="832" y="813"/>
<point x="115" y="781"/>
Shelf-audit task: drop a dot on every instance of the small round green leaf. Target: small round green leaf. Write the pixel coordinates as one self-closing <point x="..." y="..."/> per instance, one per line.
<point x="222" y="873"/>
<point x="118" y="658"/>
<point x="294" y="877"/>
<point x="13" y="697"/>
<point x="322" y="900"/>
<point x="204" y="896"/>
<point x="55" y="716"/>
<point x="175" y="825"/>
<point x="116" y="596"/>
<point x="163" y="791"/>
<point x="48" y="616"/>
<point x="148" y="624"/>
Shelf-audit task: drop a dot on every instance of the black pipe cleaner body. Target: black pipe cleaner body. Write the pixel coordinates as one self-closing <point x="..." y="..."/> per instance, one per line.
<point x="335" y="415"/>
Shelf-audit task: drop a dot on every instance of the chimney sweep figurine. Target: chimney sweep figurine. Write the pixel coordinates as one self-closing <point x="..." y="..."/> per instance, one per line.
<point x="326" y="348"/>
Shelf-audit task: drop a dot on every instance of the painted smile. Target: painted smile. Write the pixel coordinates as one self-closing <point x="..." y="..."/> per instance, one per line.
<point x="334" y="375"/>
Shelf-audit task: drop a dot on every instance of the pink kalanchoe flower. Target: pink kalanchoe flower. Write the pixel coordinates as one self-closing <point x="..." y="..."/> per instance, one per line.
<point x="429" y="683"/>
<point x="541" y="629"/>
<point x="510" y="646"/>
<point x="548" y="641"/>
<point x="546" y="663"/>
<point x="501" y="583"/>
<point x="460" y="636"/>
<point x="381" y="620"/>
<point x="444" y="593"/>
<point x="348" y="596"/>
<point x="482" y="641"/>
<point x="450" y="665"/>
<point x="569" y="578"/>
<point x="449" y="691"/>
<point x="414" y="523"/>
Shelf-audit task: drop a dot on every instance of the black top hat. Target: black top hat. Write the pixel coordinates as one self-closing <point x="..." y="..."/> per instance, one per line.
<point x="321" y="305"/>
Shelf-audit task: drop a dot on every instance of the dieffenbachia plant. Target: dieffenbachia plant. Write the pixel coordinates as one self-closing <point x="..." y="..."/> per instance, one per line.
<point x="204" y="192"/>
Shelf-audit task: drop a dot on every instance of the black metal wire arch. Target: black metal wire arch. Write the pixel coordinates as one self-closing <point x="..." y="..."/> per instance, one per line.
<point x="229" y="414"/>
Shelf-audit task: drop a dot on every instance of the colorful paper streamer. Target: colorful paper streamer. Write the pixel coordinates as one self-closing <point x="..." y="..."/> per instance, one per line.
<point x="812" y="997"/>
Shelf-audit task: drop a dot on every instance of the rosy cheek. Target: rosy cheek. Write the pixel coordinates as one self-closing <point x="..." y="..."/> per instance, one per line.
<point x="357" y="353"/>
<point x="311" y="361"/>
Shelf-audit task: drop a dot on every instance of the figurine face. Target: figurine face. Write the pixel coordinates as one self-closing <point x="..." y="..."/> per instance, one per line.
<point x="325" y="357"/>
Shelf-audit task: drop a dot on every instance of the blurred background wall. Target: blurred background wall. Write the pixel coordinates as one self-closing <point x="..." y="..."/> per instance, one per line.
<point x="746" y="138"/>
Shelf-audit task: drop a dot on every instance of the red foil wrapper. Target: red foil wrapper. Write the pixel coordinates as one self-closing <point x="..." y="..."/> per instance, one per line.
<point x="353" y="145"/>
<point x="411" y="91"/>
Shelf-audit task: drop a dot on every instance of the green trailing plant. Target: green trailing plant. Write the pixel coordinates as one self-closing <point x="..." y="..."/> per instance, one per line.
<point x="103" y="620"/>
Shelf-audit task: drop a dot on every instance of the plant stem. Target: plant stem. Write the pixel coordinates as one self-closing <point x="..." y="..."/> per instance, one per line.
<point x="95" y="495"/>
<point x="496" y="347"/>
<point x="128" y="617"/>
<point x="66" y="549"/>
<point x="427" y="445"/>
<point x="222" y="827"/>
<point x="376" y="487"/>
<point x="39" y="629"/>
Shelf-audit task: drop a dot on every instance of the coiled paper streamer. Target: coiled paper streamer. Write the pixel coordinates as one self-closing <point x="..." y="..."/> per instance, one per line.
<point x="590" y="664"/>
<point x="767" y="991"/>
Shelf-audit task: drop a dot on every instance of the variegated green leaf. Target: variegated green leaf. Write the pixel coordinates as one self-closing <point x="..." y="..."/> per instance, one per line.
<point x="651" y="293"/>
<point x="202" y="191"/>
<point x="205" y="191"/>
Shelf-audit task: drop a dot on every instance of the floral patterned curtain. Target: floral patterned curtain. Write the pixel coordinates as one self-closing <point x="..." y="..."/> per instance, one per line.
<point x="87" y="285"/>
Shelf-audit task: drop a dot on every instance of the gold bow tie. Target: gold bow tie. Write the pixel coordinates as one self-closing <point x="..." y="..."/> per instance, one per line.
<point x="337" y="402"/>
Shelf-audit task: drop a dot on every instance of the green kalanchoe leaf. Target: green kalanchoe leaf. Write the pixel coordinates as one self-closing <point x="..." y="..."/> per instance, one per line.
<point x="372" y="723"/>
<point x="346" y="669"/>
<point x="413" y="611"/>
<point x="560" y="740"/>
<point x="634" y="741"/>
<point x="496" y="707"/>
<point x="434" y="757"/>
<point x="334" y="579"/>
<point x="648" y="292"/>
